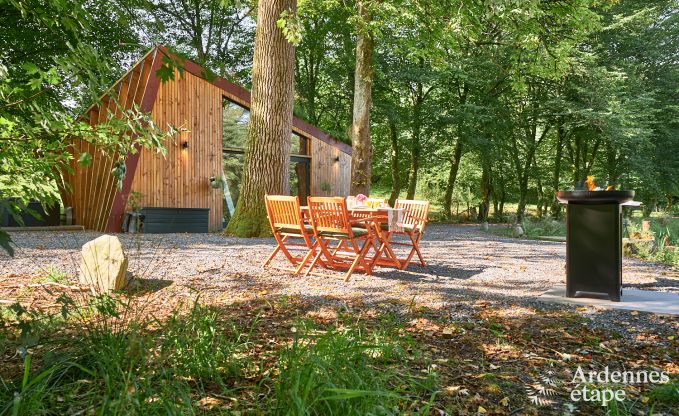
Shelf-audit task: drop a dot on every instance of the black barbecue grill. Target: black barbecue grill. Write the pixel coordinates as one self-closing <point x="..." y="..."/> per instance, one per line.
<point x="594" y="242"/>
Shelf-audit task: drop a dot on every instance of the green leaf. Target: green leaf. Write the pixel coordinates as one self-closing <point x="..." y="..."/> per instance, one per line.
<point x="85" y="159"/>
<point x="6" y="242"/>
<point x="30" y="68"/>
<point x="165" y="72"/>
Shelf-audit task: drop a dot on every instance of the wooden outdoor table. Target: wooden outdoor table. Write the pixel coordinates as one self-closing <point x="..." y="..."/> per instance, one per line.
<point x="385" y="255"/>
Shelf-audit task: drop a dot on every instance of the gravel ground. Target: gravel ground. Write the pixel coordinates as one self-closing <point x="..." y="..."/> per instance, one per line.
<point x="467" y="269"/>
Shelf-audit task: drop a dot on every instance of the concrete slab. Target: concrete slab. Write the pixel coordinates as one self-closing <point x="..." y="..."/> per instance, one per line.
<point x="665" y="303"/>
<point x="557" y="238"/>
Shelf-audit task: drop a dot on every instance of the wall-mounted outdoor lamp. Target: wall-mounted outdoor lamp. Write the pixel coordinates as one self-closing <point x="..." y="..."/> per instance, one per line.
<point x="216" y="182"/>
<point x="337" y="159"/>
<point x="185" y="144"/>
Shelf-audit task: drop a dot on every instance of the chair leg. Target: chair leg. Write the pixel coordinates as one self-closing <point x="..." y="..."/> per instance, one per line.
<point x="307" y="257"/>
<point x="416" y="246"/>
<point x="360" y="259"/>
<point x="271" y="256"/>
<point x="313" y="264"/>
<point x="323" y="251"/>
<point x="281" y="247"/>
<point x="413" y="250"/>
<point x="347" y="275"/>
<point x="363" y="254"/>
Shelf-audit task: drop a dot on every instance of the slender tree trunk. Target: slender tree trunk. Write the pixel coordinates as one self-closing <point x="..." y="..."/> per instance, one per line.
<point x="669" y="202"/>
<point x="486" y="190"/>
<point x="395" y="174"/>
<point x="523" y="199"/>
<point x="523" y="188"/>
<point x="361" y="157"/>
<point x="267" y="151"/>
<point x="612" y="164"/>
<point x="556" y="177"/>
<point x="541" y="197"/>
<point x="523" y="170"/>
<point x="414" y="167"/>
<point x="498" y="190"/>
<point x="456" y="157"/>
<point x="416" y="147"/>
<point x="452" y="177"/>
<point x="541" y="205"/>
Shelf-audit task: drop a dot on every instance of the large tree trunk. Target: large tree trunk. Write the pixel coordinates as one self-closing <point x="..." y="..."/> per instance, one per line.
<point x="361" y="156"/>
<point x="395" y="174"/>
<point x="267" y="151"/>
<point x="452" y="177"/>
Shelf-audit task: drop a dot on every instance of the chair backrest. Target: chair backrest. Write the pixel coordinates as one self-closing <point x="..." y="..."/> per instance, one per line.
<point x="329" y="214"/>
<point x="284" y="212"/>
<point x="415" y="213"/>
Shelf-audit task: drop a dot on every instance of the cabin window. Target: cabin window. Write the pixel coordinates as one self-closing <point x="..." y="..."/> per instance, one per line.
<point x="235" y="121"/>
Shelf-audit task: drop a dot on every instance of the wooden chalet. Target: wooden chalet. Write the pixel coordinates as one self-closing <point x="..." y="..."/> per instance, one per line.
<point x="215" y="113"/>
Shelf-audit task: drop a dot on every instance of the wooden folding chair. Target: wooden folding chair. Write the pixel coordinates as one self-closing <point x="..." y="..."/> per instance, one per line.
<point x="285" y="218"/>
<point x="415" y="217"/>
<point x="332" y="223"/>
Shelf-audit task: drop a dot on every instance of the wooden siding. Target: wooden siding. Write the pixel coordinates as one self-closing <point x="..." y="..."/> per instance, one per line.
<point x="90" y="190"/>
<point x="181" y="179"/>
<point x="327" y="172"/>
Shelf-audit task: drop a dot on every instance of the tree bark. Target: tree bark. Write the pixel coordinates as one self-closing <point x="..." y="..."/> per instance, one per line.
<point x="395" y="174"/>
<point x="523" y="171"/>
<point x="556" y="177"/>
<point x="456" y="157"/>
<point x="267" y="150"/>
<point x="452" y="177"/>
<point x="486" y="190"/>
<point x="523" y="198"/>
<point x="361" y="157"/>
<point x="416" y="146"/>
<point x="540" y="192"/>
<point x="499" y="194"/>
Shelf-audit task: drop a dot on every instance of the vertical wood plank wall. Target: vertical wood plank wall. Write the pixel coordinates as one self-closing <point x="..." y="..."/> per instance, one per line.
<point x="328" y="173"/>
<point x="92" y="188"/>
<point x="181" y="179"/>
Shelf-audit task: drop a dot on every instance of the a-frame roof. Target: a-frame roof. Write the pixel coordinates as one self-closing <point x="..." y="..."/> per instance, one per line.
<point x="232" y="91"/>
<point x="139" y="86"/>
<point x="241" y="96"/>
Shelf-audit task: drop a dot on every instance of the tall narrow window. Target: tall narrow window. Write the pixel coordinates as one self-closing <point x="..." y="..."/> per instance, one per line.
<point x="234" y="134"/>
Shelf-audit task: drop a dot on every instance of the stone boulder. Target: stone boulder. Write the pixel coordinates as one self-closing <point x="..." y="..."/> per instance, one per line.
<point x="517" y="231"/>
<point x="104" y="264"/>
